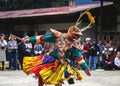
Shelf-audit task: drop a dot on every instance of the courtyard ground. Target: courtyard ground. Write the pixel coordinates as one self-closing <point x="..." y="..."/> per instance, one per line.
<point x="98" y="78"/>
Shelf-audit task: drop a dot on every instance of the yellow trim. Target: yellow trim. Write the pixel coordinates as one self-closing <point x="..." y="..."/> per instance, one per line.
<point x="81" y="61"/>
<point x="30" y="62"/>
<point x="38" y="39"/>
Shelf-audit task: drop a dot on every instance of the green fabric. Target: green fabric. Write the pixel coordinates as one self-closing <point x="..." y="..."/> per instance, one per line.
<point x="32" y="39"/>
<point x="84" y="66"/>
<point x="54" y="53"/>
<point x="76" y="53"/>
<point x="49" y="38"/>
<point x="73" y="53"/>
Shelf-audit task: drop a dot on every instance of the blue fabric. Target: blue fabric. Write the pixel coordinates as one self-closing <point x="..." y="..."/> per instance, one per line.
<point x="72" y="63"/>
<point x="13" y="60"/>
<point x="93" y="62"/>
<point x="66" y="73"/>
<point x="48" y="59"/>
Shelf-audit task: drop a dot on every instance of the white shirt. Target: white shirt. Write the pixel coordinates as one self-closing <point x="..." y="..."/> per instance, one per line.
<point x="28" y="47"/>
<point x="117" y="62"/>
<point x="3" y="43"/>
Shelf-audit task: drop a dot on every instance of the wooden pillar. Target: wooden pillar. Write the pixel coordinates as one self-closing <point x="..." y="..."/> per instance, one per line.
<point x="101" y="18"/>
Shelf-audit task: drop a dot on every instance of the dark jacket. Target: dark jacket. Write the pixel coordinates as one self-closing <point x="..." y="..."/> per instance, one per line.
<point x="22" y="50"/>
<point x="93" y="50"/>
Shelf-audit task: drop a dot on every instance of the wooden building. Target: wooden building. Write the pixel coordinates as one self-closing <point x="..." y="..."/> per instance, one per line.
<point x="38" y="21"/>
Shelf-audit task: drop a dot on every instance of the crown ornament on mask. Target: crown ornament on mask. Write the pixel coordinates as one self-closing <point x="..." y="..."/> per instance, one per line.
<point x="74" y="31"/>
<point x="90" y="17"/>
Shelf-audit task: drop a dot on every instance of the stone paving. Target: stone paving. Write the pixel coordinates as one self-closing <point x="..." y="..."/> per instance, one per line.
<point x="98" y="78"/>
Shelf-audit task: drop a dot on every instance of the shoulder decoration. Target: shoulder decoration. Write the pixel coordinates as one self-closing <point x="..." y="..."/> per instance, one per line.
<point x="55" y="32"/>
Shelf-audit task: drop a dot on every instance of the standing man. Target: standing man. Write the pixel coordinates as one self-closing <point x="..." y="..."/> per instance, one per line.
<point x="86" y="47"/>
<point x="22" y="51"/>
<point x="28" y="46"/>
<point x="3" y="44"/>
<point x="93" y="55"/>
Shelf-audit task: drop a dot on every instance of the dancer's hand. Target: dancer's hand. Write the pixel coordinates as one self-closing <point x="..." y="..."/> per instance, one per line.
<point x="87" y="71"/>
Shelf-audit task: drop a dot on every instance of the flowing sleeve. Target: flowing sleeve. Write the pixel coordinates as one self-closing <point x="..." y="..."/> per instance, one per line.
<point x="77" y="55"/>
<point x="43" y="38"/>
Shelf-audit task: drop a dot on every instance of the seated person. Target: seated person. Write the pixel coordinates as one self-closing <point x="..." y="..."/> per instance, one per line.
<point x="117" y="61"/>
<point x="38" y="49"/>
<point x="108" y="60"/>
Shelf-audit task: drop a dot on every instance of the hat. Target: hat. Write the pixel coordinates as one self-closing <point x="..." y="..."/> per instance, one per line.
<point x="26" y="37"/>
<point x="88" y="39"/>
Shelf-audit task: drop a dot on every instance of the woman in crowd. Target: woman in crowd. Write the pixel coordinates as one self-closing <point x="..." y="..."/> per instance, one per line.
<point x="108" y="60"/>
<point x="12" y="53"/>
<point x="3" y="45"/>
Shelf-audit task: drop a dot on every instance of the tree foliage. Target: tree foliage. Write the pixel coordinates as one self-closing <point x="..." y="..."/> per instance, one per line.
<point x="6" y="5"/>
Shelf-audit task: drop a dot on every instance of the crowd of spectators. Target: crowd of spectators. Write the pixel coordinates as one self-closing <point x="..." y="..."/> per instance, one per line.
<point x="14" y="51"/>
<point x="102" y="54"/>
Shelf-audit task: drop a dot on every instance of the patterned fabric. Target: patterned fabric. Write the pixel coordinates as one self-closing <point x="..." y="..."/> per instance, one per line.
<point x="46" y="69"/>
<point x="58" y="65"/>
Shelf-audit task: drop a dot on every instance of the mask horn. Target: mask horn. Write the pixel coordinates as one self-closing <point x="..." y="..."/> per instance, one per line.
<point x="79" y="18"/>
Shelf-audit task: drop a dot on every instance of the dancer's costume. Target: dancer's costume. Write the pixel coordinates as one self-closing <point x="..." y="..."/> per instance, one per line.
<point x="57" y="65"/>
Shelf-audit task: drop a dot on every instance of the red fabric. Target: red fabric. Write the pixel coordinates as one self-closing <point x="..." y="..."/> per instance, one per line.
<point x="70" y="37"/>
<point x="37" y="69"/>
<point x="79" y="58"/>
<point x="39" y="57"/>
<point x="86" y="47"/>
<point x="42" y="38"/>
<point x="55" y="68"/>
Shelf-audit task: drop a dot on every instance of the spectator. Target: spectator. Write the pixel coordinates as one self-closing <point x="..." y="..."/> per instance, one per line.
<point x="100" y="58"/>
<point x="22" y="51"/>
<point x="93" y="55"/>
<point x="118" y="48"/>
<point x="28" y="46"/>
<point x="117" y="61"/>
<point x="86" y="46"/>
<point x="12" y="53"/>
<point x="38" y="49"/>
<point x="3" y="44"/>
<point x="108" y="60"/>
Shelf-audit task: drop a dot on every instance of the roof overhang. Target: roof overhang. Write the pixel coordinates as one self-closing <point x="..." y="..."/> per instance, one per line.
<point x="49" y="11"/>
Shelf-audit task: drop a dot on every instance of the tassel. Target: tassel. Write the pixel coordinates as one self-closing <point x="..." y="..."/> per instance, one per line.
<point x="90" y="17"/>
